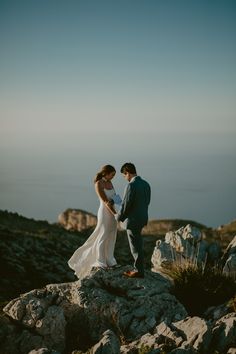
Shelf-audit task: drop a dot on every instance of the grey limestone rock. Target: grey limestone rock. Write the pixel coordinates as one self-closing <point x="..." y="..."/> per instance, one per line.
<point x="109" y="344"/>
<point x="224" y="332"/>
<point x="230" y="265"/>
<point x="43" y="351"/>
<point x="191" y="335"/>
<point x="103" y="300"/>
<point x="36" y="311"/>
<point x="231" y="351"/>
<point x="214" y="252"/>
<point x="229" y="258"/>
<point x="106" y="305"/>
<point x="231" y="249"/>
<point x="196" y="332"/>
<point x="162" y="255"/>
<point x="185" y="243"/>
<point x="76" y="219"/>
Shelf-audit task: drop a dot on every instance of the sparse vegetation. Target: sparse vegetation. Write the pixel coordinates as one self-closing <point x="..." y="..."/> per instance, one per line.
<point x="232" y="304"/>
<point x="34" y="253"/>
<point x="199" y="287"/>
<point x="144" y="349"/>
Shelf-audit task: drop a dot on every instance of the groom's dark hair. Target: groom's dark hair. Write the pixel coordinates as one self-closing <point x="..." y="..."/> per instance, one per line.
<point x="128" y="167"/>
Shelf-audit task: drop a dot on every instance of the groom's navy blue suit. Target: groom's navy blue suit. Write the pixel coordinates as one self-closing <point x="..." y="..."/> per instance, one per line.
<point x="134" y="214"/>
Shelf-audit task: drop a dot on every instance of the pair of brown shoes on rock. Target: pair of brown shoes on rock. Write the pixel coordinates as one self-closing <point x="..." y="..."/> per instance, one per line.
<point x="133" y="274"/>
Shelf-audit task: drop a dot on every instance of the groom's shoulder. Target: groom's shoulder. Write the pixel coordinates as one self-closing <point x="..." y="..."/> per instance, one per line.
<point x="139" y="180"/>
<point x="144" y="182"/>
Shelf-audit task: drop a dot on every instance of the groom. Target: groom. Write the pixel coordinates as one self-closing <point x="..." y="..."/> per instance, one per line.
<point x="134" y="213"/>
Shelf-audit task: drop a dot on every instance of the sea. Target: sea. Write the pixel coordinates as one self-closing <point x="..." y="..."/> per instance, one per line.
<point x="192" y="176"/>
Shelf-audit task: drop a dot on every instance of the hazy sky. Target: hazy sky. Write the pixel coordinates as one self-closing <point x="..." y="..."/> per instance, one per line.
<point x="160" y="66"/>
<point x="84" y="83"/>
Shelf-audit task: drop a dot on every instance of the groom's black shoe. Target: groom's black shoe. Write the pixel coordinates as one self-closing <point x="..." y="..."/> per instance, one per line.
<point x="133" y="274"/>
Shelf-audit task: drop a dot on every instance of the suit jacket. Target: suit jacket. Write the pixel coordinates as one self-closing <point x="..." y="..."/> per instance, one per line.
<point x="134" y="208"/>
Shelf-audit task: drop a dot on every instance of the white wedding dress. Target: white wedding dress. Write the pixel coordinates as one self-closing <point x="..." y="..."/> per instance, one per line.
<point x="98" y="250"/>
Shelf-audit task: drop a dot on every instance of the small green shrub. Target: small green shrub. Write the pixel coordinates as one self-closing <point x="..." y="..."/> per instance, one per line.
<point x="232" y="304"/>
<point x="144" y="349"/>
<point x="198" y="287"/>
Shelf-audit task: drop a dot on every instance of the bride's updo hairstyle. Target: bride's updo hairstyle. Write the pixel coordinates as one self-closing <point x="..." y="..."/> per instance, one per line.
<point x="105" y="170"/>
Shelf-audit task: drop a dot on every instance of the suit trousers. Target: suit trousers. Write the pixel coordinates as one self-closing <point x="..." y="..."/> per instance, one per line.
<point x="136" y="248"/>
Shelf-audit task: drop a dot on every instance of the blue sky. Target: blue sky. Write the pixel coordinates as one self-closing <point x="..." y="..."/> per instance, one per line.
<point x="155" y="66"/>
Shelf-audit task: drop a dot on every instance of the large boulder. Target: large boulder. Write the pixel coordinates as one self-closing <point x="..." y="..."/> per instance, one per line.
<point x="162" y="255"/>
<point x="74" y="315"/>
<point x="184" y="245"/>
<point x="109" y="344"/>
<point x="76" y="219"/>
<point x="196" y="333"/>
<point x="41" y="320"/>
<point x="224" y="333"/>
<point x="190" y="335"/>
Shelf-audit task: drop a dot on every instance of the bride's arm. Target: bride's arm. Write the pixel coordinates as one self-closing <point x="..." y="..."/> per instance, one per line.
<point x="100" y="192"/>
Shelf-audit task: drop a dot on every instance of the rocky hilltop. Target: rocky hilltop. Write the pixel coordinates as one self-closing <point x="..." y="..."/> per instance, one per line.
<point x="76" y="219"/>
<point x="34" y="253"/>
<point x="79" y="220"/>
<point x="106" y="313"/>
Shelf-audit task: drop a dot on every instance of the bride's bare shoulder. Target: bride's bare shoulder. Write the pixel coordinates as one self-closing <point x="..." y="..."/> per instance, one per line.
<point x="99" y="184"/>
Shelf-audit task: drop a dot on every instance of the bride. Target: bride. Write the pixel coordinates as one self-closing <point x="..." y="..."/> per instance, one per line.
<point x="98" y="250"/>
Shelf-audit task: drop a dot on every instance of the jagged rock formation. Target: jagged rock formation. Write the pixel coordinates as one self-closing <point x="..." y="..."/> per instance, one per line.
<point x="184" y="244"/>
<point x="190" y="335"/>
<point x="105" y="312"/>
<point x="109" y="344"/>
<point x="121" y="315"/>
<point x="104" y="300"/>
<point x="230" y="258"/>
<point x="34" y="253"/>
<point x="76" y="219"/>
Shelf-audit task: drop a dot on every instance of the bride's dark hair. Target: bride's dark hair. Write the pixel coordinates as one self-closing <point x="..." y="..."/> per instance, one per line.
<point x="105" y="170"/>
